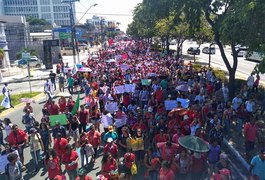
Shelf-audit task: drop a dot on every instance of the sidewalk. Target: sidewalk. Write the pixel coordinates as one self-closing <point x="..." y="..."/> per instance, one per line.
<point x="17" y="75"/>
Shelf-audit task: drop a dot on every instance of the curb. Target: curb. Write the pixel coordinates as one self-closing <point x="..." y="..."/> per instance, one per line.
<point x="236" y="154"/>
<point x="25" y="80"/>
<point x="37" y="97"/>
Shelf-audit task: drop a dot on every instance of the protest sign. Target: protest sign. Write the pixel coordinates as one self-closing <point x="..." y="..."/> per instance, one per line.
<point x="184" y="102"/>
<point x="111" y="107"/>
<point x="119" y="89"/>
<point x="146" y="82"/>
<point x="170" y="104"/>
<point x="120" y="122"/>
<point x="130" y="88"/>
<point x="4" y="161"/>
<point x="60" y="118"/>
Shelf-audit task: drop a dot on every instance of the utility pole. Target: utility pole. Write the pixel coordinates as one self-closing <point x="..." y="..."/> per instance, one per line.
<point x="73" y="32"/>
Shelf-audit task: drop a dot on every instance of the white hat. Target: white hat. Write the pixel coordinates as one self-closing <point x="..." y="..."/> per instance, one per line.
<point x="186" y="117"/>
<point x="150" y="109"/>
<point x="109" y="140"/>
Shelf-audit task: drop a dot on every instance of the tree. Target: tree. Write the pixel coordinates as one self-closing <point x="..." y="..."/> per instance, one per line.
<point x="2" y="54"/>
<point x="143" y="23"/>
<point x="230" y="23"/>
<point x="36" y="21"/>
<point x="32" y="52"/>
<point x="38" y="25"/>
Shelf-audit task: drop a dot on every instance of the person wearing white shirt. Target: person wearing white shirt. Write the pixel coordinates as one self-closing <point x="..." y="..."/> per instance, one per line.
<point x="250" y="81"/>
<point x="250" y="105"/>
<point x="106" y="120"/>
<point x="236" y="102"/>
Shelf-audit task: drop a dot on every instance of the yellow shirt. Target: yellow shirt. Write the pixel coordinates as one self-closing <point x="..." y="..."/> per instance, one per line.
<point x="34" y="142"/>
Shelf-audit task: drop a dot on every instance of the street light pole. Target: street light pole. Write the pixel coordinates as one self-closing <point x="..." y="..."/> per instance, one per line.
<point x="73" y="32"/>
<point x="210" y="52"/>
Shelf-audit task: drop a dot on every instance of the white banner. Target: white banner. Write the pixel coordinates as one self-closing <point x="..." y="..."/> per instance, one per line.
<point x="130" y="88"/>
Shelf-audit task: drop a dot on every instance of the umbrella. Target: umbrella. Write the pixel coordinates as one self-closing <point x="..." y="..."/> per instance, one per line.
<point x="111" y="60"/>
<point x="177" y="111"/>
<point x="27" y="100"/>
<point x="182" y="87"/>
<point x="63" y="94"/>
<point x="193" y="143"/>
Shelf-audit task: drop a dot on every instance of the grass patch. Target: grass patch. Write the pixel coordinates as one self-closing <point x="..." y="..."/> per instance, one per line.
<point x="15" y="98"/>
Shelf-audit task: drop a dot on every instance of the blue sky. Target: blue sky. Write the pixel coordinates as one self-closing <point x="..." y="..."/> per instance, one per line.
<point x="118" y="10"/>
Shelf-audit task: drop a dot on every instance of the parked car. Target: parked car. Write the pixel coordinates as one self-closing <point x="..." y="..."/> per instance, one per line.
<point x="173" y="42"/>
<point x="207" y="50"/>
<point x="241" y="53"/>
<point x="33" y="62"/>
<point x="194" y="51"/>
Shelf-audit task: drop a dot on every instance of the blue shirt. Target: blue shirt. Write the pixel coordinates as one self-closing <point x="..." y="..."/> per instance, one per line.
<point x="112" y="135"/>
<point x="259" y="167"/>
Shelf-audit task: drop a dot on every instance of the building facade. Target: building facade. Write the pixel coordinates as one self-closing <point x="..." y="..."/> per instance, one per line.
<point x="54" y="11"/>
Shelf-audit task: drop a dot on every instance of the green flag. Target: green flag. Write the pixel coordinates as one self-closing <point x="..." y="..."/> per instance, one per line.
<point x="76" y="106"/>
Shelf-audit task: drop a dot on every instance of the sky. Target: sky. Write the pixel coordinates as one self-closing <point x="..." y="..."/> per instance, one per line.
<point x="117" y="10"/>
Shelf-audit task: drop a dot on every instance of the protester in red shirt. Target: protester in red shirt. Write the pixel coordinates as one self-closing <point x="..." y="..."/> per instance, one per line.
<point x="48" y="105"/>
<point x="94" y="138"/>
<point x="176" y="136"/>
<point x="166" y="172"/>
<point x="167" y="150"/>
<point x="83" y="116"/>
<point x="140" y="124"/>
<point x="161" y="137"/>
<point x="70" y="159"/>
<point x="173" y="125"/>
<point x="70" y="103"/>
<point x="126" y="99"/>
<point x="62" y="104"/>
<point x="185" y="125"/>
<point x="52" y="164"/>
<point x="198" y="165"/>
<point x="54" y="109"/>
<point x="111" y="148"/>
<point x="109" y="167"/>
<point x="129" y="159"/>
<point x="159" y="95"/>
<point x="17" y="140"/>
<point x="60" y="145"/>
<point x="221" y="175"/>
<point x="250" y="131"/>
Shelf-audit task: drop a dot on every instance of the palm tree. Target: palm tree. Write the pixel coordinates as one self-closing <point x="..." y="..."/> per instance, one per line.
<point x="2" y="54"/>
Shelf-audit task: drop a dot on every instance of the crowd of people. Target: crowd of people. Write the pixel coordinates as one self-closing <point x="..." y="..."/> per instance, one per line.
<point x="140" y="132"/>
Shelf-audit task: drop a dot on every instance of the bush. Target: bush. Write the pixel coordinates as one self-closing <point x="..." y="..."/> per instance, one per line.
<point x="32" y="52"/>
<point x="220" y="74"/>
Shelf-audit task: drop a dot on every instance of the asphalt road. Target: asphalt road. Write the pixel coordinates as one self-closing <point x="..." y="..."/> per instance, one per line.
<point x="244" y="68"/>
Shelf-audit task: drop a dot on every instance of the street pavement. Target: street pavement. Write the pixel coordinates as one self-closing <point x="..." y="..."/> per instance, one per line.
<point x="244" y="68"/>
<point x="39" y="76"/>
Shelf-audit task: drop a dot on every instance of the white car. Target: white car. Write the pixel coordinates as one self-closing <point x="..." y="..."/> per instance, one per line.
<point x="207" y="50"/>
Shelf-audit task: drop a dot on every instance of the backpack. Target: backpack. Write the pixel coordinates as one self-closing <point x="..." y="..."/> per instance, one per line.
<point x="18" y="163"/>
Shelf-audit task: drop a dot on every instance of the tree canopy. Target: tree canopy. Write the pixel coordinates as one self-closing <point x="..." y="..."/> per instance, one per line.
<point x="36" y="21"/>
<point x="223" y="22"/>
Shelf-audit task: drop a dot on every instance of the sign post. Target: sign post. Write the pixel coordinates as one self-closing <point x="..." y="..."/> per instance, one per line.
<point x="26" y="56"/>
